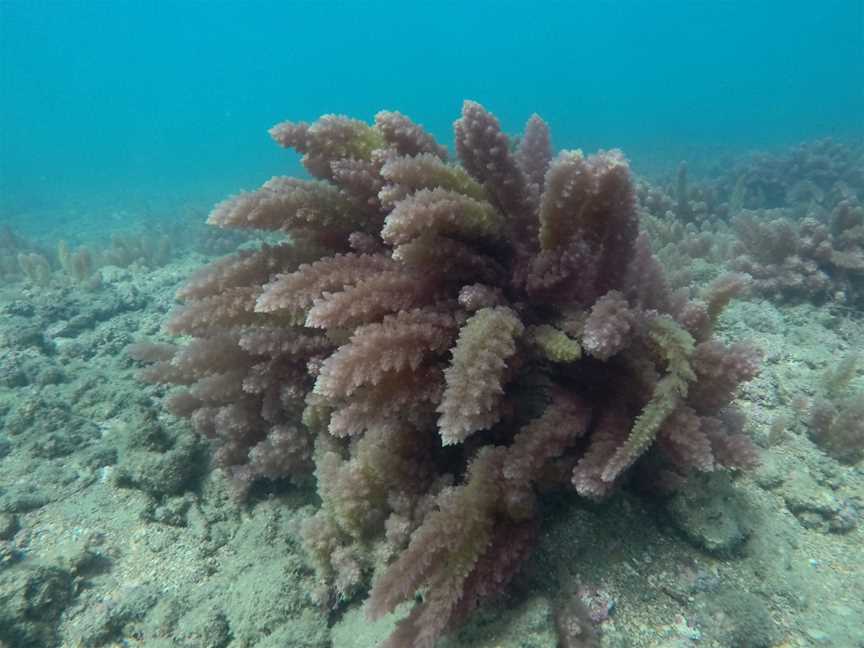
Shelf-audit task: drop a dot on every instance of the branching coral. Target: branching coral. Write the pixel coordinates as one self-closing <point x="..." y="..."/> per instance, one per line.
<point x="19" y="257"/>
<point x="837" y="414"/>
<point x="814" y="172"/>
<point x="804" y="260"/>
<point x="452" y="335"/>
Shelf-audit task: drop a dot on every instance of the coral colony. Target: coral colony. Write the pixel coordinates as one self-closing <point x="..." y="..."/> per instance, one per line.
<point x="438" y="341"/>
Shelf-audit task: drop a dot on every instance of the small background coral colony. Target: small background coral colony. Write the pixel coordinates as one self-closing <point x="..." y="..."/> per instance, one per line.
<point x="520" y="428"/>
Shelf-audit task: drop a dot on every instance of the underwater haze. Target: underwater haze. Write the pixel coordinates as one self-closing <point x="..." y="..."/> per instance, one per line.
<point x="481" y="324"/>
<point x="165" y="101"/>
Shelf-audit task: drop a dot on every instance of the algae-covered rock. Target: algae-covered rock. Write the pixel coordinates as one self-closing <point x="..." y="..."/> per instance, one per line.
<point x="740" y="619"/>
<point x="813" y="505"/>
<point x="32" y="598"/>
<point x="710" y="514"/>
<point x="99" y="624"/>
<point x="8" y="526"/>
<point x="156" y="460"/>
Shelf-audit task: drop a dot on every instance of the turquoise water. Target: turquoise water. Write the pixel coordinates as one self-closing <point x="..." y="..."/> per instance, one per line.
<point x="555" y="361"/>
<point x="155" y="103"/>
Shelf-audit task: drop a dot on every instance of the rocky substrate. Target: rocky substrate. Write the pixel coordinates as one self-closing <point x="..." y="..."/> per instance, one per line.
<point x="114" y="533"/>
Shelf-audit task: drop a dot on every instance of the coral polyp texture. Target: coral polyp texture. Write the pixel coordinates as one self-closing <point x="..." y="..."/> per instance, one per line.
<point x="439" y="341"/>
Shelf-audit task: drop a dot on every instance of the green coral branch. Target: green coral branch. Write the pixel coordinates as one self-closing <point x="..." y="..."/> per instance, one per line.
<point x="677" y="346"/>
<point x="554" y="344"/>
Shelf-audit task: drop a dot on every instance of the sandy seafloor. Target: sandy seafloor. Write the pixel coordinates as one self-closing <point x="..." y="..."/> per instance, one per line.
<point x="113" y="534"/>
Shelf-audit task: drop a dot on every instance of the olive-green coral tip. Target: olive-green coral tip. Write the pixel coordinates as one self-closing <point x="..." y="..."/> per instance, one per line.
<point x="554" y="344"/>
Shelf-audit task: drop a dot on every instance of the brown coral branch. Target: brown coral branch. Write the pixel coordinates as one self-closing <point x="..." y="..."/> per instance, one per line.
<point x="397" y="343"/>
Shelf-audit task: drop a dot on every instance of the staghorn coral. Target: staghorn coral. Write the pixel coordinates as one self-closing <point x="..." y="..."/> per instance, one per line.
<point x="690" y="237"/>
<point x="12" y="247"/>
<point x="36" y="268"/>
<point x="150" y="249"/>
<point x="836" y="418"/>
<point x="806" y="260"/>
<point x="788" y="211"/>
<point x="812" y="173"/>
<point x="78" y="265"/>
<point x="453" y="336"/>
<point x="478" y="370"/>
